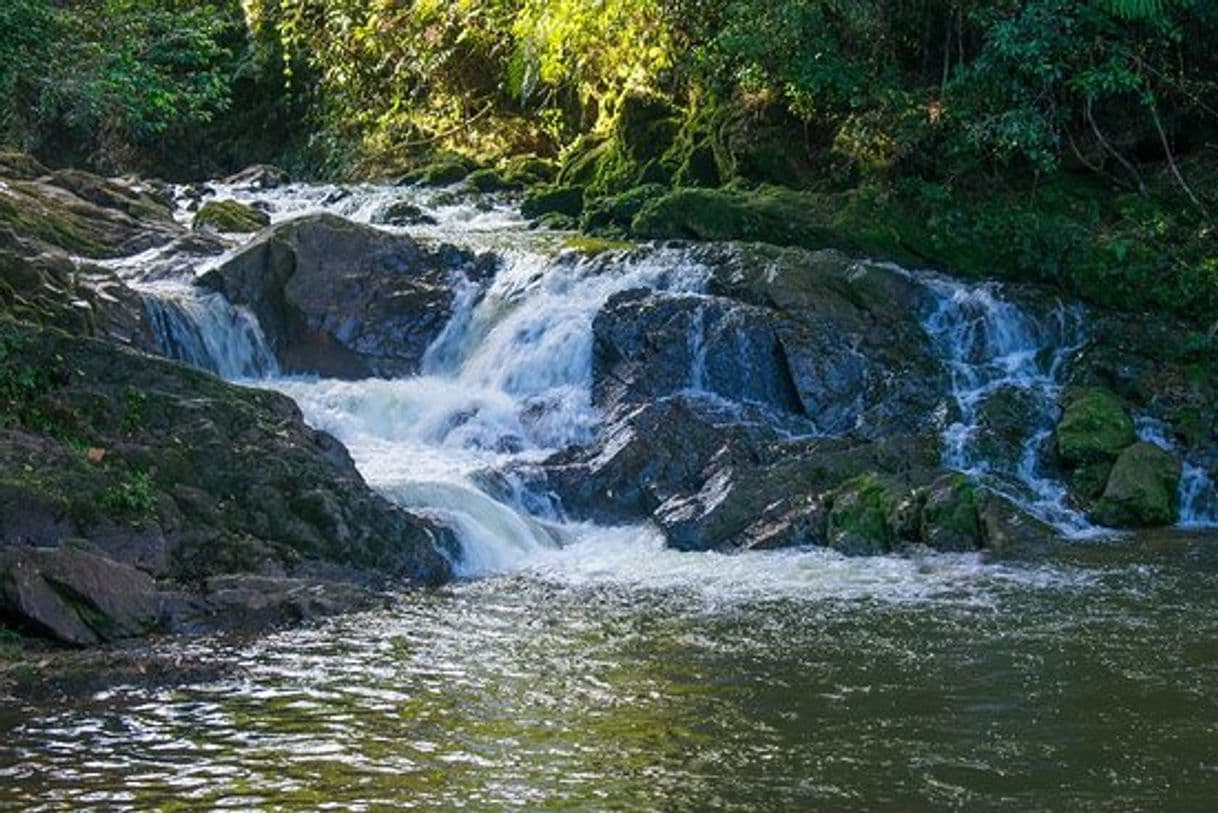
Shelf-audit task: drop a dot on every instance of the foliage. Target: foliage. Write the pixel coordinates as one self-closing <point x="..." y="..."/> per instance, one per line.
<point x="134" y="496"/>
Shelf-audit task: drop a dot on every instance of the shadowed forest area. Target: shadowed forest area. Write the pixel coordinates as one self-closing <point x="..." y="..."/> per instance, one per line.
<point x="1073" y="142"/>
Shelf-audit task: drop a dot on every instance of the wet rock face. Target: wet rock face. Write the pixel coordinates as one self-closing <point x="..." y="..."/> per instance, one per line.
<point x="344" y="300"/>
<point x="183" y="479"/>
<point x="649" y="345"/>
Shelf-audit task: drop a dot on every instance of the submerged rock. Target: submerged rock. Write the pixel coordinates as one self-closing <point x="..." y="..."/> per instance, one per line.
<point x="345" y="300"/>
<point x="1142" y="490"/>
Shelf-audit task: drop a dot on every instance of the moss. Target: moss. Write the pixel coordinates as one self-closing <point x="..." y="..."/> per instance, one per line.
<point x="487" y="180"/>
<point x="1095" y="426"/>
<point x="527" y="170"/>
<point x="595" y="245"/>
<point x="230" y="216"/>
<point x="950" y="515"/>
<point x="443" y="170"/>
<point x="859" y="518"/>
<point x="1142" y="490"/>
<point x="564" y="200"/>
<point x="613" y="214"/>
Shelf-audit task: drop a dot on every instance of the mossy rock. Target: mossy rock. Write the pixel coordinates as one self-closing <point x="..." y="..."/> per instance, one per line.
<point x="564" y="200"/>
<point x="487" y="180"/>
<point x="230" y="216"/>
<point x="950" y="515"/>
<point x="1095" y="426"/>
<point x="1088" y="480"/>
<point x="556" y="221"/>
<point x="20" y="166"/>
<point x="443" y="171"/>
<point x="613" y="214"/>
<point x="404" y="213"/>
<point x="848" y="221"/>
<point x="1142" y="490"/>
<point x="527" y="170"/>
<point x="859" y="518"/>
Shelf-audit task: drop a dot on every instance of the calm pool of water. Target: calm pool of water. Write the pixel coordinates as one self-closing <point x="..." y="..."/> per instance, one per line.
<point x="1089" y="681"/>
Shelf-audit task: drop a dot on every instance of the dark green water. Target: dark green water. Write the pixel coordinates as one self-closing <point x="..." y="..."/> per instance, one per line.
<point x="596" y="682"/>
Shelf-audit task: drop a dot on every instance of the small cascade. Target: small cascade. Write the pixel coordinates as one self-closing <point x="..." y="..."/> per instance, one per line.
<point x="508" y="380"/>
<point x="205" y="331"/>
<point x="1002" y="358"/>
<point x="1198" y="492"/>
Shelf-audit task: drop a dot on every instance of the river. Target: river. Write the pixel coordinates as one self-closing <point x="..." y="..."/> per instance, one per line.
<point x="580" y="667"/>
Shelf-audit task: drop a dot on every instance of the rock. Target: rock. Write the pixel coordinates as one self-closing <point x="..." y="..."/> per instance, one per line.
<point x="527" y="170"/>
<point x="487" y="180"/>
<point x="230" y="216"/>
<point x="444" y="171"/>
<point x="44" y="286"/>
<point x="858" y="521"/>
<point x="653" y="344"/>
<point x="850" y="333"/>
<point x="564" y="200"/>
<point x="1094" y="427"/>
<point x="950" y="519"/>
<point x="1142" y="490"/>
<point x="1008" y="529"/>
<point x="1006" y="418"/>
<point x="21" y="166"/>
<point x="404" y="213"/>
<point x="83" y="215"/>
<point x="258" y="176"/>
<point x="345" y="300"/>
<point x="74" y="596"/>
<point x="219" y="480"/>
<point x="614" y="213"/>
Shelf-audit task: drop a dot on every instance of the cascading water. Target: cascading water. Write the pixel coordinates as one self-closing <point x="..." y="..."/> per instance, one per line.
<point x="509" y="378"/>
<point x="997" y="350"/>
<point x="1198" y="492"/>
<point x="206" y="331"/>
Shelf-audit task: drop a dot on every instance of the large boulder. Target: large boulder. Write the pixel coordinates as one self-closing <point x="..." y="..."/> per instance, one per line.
<point x="345" y="300"/>
<point x="850" y="333"/>
<point x="164" y="469"/>
<point x="1095" y="426"/>
<point x="1142" y="490"/>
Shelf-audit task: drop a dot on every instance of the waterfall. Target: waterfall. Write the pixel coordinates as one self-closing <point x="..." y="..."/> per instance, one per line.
<point x="995" y="349"/>
<point x="204" y="330"/>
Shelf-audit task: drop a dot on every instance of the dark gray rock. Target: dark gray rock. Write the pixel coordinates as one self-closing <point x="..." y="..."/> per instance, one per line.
<point x="345" y="300"/>
<point x="75" y="596"/>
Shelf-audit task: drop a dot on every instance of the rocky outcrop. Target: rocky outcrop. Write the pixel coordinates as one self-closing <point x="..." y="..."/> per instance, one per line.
<point x="82" y="214"/>
<point x="132" y="487"/>
<point x="345" y="300"/>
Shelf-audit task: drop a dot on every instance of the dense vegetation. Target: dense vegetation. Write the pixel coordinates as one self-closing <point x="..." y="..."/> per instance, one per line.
<point x="1071" y="141"/>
